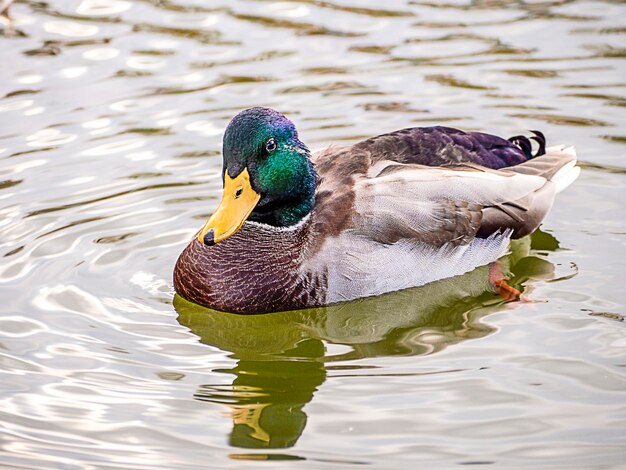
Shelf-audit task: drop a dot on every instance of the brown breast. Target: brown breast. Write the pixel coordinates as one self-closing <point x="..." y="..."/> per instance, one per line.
<point x="257" y="270"/>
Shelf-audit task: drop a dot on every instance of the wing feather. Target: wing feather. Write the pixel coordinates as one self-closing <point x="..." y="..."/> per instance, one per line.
<point x="439" y="205"/>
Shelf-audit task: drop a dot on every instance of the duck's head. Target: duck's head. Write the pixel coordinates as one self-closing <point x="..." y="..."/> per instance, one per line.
<point x="268" y="176"/>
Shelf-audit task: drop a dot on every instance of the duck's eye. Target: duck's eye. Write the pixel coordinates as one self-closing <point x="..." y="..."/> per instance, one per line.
<point x="238" y="193"/>
<point x="271" y="145"/>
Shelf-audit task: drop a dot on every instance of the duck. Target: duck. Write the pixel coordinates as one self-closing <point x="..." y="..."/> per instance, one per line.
<point x="296" y="229"/>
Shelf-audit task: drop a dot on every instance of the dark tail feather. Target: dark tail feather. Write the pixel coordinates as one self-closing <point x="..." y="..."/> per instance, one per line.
<point x="541" y="140"/>
<point x="526" y="146"/>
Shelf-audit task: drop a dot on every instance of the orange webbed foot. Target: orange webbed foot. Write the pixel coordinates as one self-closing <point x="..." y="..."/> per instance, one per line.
<point x="498" y="280"/>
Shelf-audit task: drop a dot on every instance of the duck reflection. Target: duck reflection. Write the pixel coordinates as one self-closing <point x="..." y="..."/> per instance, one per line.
<point x="282" y="356"/>
<point x="267" y="395"/>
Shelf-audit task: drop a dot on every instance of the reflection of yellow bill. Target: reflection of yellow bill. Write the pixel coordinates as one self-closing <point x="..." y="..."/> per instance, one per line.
<point x="250" y="416"/>
<point x="238" y="200"/>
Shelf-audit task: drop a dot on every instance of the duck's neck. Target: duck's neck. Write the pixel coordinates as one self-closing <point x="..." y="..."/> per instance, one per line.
<point x="292" y="207"/>
<point x="285" y="214"/>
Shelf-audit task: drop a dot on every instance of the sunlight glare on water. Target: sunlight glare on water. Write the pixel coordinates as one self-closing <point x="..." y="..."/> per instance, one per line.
<point x="111" y="117"/>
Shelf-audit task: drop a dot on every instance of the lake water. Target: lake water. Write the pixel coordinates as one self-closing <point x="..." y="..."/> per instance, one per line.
<point x="111" y="117"/>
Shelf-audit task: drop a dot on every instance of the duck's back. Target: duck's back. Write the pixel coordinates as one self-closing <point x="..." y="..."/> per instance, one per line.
<point x="430" y="146"/>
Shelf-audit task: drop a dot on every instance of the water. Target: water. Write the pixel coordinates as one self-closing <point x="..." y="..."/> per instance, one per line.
<point x="111" y="115"/>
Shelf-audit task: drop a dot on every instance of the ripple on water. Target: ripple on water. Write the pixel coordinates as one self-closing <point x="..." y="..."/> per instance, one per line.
<point x="443" y="47"/>
<point x="18" y="326"/>
<point x="119" y="146"/>
<point x="129" y="105"/>
<point x="563" y="120"/>
<point x="69" y="298"/>
<point x="204" y="127"/>
<point x="456" y="82"/>
<point x="49" y="137"/>
<point x="16" y="105"/>
<point x="102" y="7"/>
<point x="73" y="72"/>
<point x="71" y="28"/>
<point x="101" y="53"/>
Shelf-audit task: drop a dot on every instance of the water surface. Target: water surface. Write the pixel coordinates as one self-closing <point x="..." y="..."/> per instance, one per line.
<point x="111" y="117"/>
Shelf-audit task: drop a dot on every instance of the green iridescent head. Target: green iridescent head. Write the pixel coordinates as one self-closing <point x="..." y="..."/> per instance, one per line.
<point x="268" y="176"/>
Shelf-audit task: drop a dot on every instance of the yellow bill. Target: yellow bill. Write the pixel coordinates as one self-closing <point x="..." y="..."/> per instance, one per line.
<point x="238" y="200"/>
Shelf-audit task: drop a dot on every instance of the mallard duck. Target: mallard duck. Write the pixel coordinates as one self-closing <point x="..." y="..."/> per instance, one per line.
<point x="295" y="229"/>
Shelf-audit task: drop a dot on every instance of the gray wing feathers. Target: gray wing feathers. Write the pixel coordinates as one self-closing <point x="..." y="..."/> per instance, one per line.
<point x="454" y="204"/>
